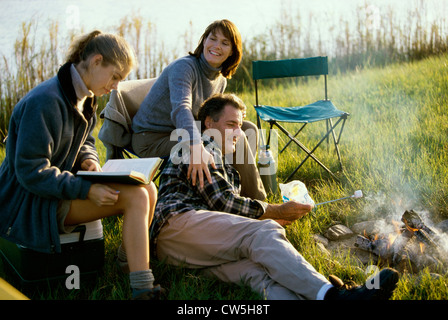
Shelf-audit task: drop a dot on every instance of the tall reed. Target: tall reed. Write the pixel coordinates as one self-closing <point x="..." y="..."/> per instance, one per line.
<point x="367" y="37"/>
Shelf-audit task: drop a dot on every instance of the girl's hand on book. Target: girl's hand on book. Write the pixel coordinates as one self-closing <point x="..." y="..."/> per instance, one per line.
<point x="90" y="165"/>
<point x="102" y="195"/>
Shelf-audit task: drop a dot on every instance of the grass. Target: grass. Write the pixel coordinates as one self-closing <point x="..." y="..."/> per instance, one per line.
<point x="394" y="148"/>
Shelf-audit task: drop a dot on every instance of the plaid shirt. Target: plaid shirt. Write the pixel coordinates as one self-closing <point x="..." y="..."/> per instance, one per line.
<point x="178" y="195"/>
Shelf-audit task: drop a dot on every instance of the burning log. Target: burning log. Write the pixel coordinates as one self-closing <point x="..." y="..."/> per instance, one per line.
<point x="380" y="247"/>
<point x="422" y="232"/>
<point x="413" y="220"/>
<point x="424" y="237"/>
<point x="417" y="257"/>
<point x="398" y="247"/>
<point x="363" y="243"/>
<point x="413" y="246"/>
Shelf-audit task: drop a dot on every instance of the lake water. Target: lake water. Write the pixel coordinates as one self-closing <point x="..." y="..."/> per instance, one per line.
<point x="173" y="17"/>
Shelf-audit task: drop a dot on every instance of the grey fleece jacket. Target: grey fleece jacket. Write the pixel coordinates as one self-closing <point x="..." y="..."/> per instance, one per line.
<point x="48" y="138"/>
<point x="175" y="98"/>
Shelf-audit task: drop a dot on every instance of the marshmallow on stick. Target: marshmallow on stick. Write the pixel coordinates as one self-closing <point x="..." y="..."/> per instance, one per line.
<point x="357" y="194"/>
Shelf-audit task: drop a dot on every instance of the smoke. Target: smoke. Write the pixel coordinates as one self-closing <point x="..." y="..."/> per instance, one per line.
<point x="388" y="210"/>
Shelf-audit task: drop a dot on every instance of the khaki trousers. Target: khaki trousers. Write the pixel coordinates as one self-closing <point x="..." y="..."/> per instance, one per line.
<point x="155" y="144"/>
<point x="239" y="250"/>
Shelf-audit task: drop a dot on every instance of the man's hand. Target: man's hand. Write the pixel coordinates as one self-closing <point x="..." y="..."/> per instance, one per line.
<point x="287" y="212"/>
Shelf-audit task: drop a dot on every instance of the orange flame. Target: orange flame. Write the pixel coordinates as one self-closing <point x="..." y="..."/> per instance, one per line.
<point x="422" y="247"/>
<point x="392" y="237"/>
<point x="409" y="227"/>
<point x="396" y="225"/>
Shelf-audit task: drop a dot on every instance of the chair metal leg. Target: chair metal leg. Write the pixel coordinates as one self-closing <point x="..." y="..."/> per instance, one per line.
<point x="336" y="143"/>
<point x="308" y="152"/>
<point x="297" y="133"/>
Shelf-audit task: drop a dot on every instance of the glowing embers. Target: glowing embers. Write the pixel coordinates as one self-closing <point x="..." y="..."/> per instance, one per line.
<point x="411" y="247"/>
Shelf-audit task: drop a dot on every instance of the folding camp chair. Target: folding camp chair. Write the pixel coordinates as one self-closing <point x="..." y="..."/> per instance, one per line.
<point x="116" y="131"/>
<point x="123" y="104"/>
<point x="316" y="111"/>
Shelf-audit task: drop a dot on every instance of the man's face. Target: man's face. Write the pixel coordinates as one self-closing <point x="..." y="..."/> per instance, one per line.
<point x="228" y="127"/>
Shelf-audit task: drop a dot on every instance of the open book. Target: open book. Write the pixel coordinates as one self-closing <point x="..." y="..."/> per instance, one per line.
<point x="130" y="171"/>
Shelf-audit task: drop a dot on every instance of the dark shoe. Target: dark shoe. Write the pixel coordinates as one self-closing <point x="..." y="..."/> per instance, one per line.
<point x="149" y="294"/>
<point x="388" y="279"/>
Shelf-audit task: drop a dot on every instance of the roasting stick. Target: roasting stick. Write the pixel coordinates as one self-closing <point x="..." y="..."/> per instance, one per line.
<point x="357" y="194"/>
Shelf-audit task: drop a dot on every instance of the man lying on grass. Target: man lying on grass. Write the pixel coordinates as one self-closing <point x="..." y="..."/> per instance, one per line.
<point x="238" y="239"/>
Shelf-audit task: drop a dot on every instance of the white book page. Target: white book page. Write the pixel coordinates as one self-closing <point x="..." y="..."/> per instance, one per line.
<point x="143" y="165"/>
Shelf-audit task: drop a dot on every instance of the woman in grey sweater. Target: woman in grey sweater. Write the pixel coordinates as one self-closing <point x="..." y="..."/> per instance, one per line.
<point x="50" y="138"/>
<point x="175" y="98"/>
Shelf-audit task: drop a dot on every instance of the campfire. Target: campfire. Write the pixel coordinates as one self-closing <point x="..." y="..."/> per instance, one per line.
<point x="411" y="247"/>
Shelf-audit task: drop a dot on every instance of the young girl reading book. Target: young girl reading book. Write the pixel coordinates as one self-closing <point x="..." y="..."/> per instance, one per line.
<point x="50" y="139"/>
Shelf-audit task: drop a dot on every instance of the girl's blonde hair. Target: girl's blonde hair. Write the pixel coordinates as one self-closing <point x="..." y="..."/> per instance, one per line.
<point x="230" y="31"/>
<point x="114" y="49"/>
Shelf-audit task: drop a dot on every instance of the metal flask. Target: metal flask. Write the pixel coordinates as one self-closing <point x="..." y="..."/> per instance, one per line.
<point x="268" y="170"/>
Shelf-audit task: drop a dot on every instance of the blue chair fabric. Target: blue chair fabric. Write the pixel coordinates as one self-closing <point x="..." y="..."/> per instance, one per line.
<point x="321" y="110"/>
<point x="317" y="111"/>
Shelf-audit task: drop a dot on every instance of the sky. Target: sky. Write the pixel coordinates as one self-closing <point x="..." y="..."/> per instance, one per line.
<point x="172" y="18"/>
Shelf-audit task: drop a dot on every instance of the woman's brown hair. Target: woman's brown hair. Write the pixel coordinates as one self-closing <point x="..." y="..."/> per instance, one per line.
<point x="230" y="31"/>
<point x="114" y="49"/>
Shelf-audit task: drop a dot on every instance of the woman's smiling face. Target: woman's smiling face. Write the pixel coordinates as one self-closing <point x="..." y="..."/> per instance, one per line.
<point x="217" y="48"/>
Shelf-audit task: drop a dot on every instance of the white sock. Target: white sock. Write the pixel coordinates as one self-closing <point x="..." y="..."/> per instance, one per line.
<point x="323" y="291"/>
<point x="140" y="280"/>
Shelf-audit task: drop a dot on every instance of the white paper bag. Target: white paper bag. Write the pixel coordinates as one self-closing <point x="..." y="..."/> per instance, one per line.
<point x="295" y="190"/>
